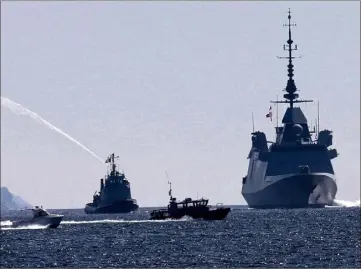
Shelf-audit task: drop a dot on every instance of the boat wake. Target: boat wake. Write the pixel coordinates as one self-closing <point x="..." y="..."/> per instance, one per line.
<point x="6" y="225"/>
<point x="343" y="203"/>
<point x="70" y="222"/>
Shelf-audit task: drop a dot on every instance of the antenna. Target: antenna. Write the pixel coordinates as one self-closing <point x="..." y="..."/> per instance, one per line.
<point x="277" y="111"/>
<point x="252" y="123"/>
<point x="170" y="185"/>
<point x="291" y="96"/>
<point x="318" y="117"/>
<point x="291" y="87"/>
<point x="170" y="190"/>
<point x="315" y="130"/>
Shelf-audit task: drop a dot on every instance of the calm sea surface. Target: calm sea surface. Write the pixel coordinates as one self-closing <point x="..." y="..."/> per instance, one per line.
<point x="327" y="237"/>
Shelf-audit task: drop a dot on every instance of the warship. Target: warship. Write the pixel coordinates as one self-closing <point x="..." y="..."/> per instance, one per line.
<point x="196" y="209"/>
<point x="114" y="195"/>
<point x="295" y="170"/>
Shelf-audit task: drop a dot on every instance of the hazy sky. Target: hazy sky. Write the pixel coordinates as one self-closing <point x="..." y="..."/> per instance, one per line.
<point x="167" y="85"/>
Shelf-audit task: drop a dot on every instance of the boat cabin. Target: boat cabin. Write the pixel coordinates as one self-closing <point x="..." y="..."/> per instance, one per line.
<point x="188" y="202"/>
<point x="39" y="212"/>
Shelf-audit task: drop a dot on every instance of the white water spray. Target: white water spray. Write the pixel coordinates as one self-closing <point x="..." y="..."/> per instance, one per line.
<point x="71" y="222"/>
<point x="344" y="203"/>
<point x="7" y="224"/>
<point x="20" y="110"/>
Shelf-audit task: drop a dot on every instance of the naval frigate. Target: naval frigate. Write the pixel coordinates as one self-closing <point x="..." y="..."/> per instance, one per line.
<point x="295" y="170"/>
<point x="114" y="195"/>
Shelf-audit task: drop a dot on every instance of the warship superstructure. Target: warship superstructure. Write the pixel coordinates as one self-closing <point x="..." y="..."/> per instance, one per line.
<point x="295" y="170"/>
<point x="114" y="195"/>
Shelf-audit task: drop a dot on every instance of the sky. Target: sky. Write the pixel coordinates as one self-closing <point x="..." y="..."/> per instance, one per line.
<point x="168" y="86"/>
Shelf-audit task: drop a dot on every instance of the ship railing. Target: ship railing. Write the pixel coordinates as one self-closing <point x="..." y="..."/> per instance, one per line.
<point x="158" y="211"/>
<point x="218" y="205"/>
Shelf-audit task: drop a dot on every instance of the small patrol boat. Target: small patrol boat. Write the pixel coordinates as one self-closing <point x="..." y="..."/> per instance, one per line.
<point x="196" y="209"/>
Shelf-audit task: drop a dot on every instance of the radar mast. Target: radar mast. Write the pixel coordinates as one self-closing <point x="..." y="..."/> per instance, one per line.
<point x="291" y="96"/>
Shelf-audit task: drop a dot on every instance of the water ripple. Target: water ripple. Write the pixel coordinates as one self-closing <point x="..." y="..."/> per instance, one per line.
<point x="257" y="238"/>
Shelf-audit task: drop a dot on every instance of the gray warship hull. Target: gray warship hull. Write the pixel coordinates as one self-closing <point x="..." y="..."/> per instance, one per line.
<point x="293" y="191"/>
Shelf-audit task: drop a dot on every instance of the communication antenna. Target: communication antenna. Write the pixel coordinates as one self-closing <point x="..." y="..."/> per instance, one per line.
<point x="277" y="111"/>
<point x="318" y="117"/>
<point x="170" y="185"/>
<point x="252" y="123"/>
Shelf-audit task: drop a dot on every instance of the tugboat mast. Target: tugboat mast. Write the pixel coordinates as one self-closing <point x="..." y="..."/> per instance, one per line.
<point x="111" y="160"/>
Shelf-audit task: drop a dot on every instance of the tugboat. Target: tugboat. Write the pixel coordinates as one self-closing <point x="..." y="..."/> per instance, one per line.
<point x="40" y="217"/>
<point x="197" y="209"/>
<point x="114" y="195"/>
<point x="295" y="171"/>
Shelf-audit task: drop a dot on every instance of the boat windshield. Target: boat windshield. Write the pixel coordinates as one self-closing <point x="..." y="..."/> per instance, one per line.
<point x="39" y="212"/>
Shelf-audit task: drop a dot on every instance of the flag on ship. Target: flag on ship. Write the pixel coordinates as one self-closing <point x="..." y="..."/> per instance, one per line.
<point x="269" y="115"/>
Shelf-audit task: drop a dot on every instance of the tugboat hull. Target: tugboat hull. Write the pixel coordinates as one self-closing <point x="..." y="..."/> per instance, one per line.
<point x="294" y="191"/>
<point x="114" y="195"/>
<point x="119" y="207"/>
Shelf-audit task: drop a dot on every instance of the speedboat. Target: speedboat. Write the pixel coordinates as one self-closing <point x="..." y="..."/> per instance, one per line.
<point x="40" y="217"/>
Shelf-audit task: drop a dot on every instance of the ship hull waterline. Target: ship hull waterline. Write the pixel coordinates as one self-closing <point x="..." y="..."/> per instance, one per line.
<point x="116" y="208"/>
<point x="295" y="191"/>
<point x="213" y="214"/>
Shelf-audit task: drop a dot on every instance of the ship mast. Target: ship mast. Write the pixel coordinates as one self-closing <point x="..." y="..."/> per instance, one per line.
<point x="291" y="96"/>
<point x="111" y="160"/>
<point x="170" y="190"/>
<point x="291" y="86"/>
<point x="170" y="185"/>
